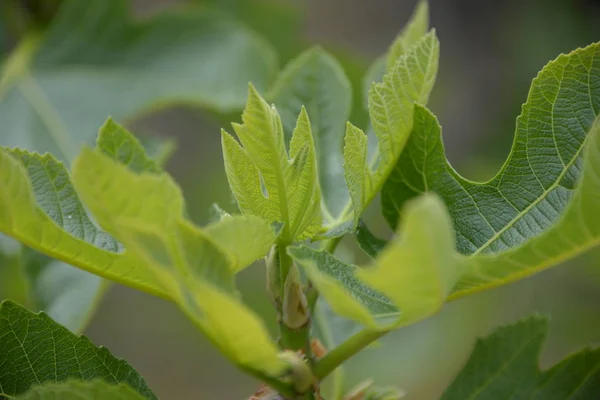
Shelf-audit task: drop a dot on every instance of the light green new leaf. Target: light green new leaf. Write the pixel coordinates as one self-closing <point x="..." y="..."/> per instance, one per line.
<point x="145" y="212"/>
<point x="95" y="60"/>
<point x="505" y="366"/>
<point x="391" y="105"/>
<point x="42" y="210"/>
<point x="68" y="295"/>
<point x="543" y="206"/>
<point x="77" y="390"/>
<point x="35" y="350"/>
<point x="415" y="29"/>
<point x="264" y="181"/>
<point x="244" y="238"/>
<point x="409" y="280"/>
<point x="158" y="250"/>
<point x="316" y="81"/>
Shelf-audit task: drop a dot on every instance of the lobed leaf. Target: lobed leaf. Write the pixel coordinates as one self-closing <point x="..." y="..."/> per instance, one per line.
<point x="505" y="365"/>
<point x="391" y="105"/>
<point x="541" y="208"/>
<point x="35" y="350"/>
<point x="264" y="181"/>
<point x="315" y="80"/>
<point x="95" y="60"/>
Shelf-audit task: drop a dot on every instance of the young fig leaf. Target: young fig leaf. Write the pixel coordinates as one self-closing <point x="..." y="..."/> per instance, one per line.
<point x="316" y="81"/>
<point x="264" y="180"/>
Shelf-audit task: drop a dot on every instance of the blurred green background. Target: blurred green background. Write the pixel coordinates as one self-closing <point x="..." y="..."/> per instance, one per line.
<point x="490" y="52"/>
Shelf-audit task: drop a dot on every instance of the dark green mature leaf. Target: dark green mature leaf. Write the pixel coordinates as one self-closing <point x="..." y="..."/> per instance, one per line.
<point x="542" y="207"/>
<point x="77" y="390"/>
<point x="316" y="81"/>
<point x="368" y="242"/>
<point x="95" y="61"/>
<point x="35" y="350"/>
<point x="505" y="366"/>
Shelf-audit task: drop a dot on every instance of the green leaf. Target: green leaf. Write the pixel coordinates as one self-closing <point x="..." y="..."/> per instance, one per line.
<point x="505" y="365"/>
<point x="35" y="350"/>
<point x="368" y="242"/>
<point x="68" y="295"/>
<point x="195" y="267"/>
<point x="391" y="105"/>
<point x="95" y="60"/>
<point x="245" y="238"/>
<point x="410" y="279"/>
<point x="76" y="390"/>
<point x="415" y="29"/>
<point x="543" y="206"/>
<point x="264" y="181"/>
<point x="316" y="81"/>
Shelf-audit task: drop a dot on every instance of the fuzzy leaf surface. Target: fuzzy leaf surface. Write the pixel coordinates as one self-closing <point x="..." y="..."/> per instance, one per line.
<point x="157" y="249"/>
<point x="264" y="180"/>
<point x="542" y="207"/>
<point x="505" y="365"/>
<point x="35" y="350"/>
<point x="391" y="105"/>
<point x="69" y="295"/>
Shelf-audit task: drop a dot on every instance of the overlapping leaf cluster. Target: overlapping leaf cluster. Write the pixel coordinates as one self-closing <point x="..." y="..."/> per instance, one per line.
<point x="145" y="241"/>
<point x="301" y="173"/>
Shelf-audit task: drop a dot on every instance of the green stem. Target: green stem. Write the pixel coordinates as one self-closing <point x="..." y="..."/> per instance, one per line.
<point x="292" y="337"/>
<point x="285" y="263"/>
<point x="343" y="352"/>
